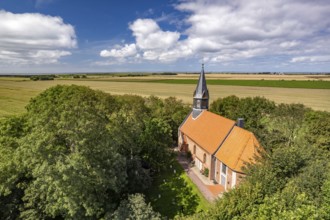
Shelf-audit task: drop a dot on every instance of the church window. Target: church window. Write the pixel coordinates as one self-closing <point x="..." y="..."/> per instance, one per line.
<point x="204" y="158"/>
<point x="194" y="149"/>
<point x="204" y="103"/>
<point x="198" y="103"/>
<point x="224" y="168"/>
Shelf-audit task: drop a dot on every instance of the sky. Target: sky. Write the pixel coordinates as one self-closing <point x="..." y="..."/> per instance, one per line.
<point x="66" y="36"/>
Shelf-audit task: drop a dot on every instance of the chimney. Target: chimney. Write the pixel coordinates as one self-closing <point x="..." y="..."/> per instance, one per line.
<point x="240" y="122"/>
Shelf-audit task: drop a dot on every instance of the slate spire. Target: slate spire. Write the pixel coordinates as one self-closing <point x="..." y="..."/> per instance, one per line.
<point x="201" y="95"/>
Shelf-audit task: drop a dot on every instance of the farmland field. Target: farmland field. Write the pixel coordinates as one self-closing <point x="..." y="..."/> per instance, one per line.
<point x="257" y="83"/>
<point x="15" y="92"/>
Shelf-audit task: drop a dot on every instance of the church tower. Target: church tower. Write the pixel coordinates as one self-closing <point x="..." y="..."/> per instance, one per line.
<point x="201" y="95"/>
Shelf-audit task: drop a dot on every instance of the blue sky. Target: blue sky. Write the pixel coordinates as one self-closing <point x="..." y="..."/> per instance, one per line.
<point x="58" y="36"/>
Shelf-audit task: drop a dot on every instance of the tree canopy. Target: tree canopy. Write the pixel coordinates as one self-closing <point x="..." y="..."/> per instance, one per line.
<point x="77" y="153"/>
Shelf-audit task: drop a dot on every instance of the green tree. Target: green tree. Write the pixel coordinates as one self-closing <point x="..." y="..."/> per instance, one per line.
<point x="317" y="129"/>
<point x="126" y="127"/>
<point x="155" y="141"/>
<point x="174" y="113"/>
<point x="253" y="110"/>
<point x="325" y="203"/>
<point x="170" y="110"/>
<point x="283" y="125"/>
<point x="134" y="208"/>
<point x="142" y="138"/>
<point x="288" y="204"/>
<point x="67" y="164"/>
<point x="237" y="203"/>
<point x="10" y="193"/>
<point x="77" y="152"/>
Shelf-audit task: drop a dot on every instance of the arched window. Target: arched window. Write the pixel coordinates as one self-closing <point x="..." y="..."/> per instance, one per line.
<point x="194" y="149"/>
<point x="204" y="158"/>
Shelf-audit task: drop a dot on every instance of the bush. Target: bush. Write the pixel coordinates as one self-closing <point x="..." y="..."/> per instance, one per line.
<point x="206" y="172"/>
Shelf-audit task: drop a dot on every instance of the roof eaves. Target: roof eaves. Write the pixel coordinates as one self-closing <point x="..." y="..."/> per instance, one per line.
<point x="184" y="121"/>
<point x="199" y="145"/>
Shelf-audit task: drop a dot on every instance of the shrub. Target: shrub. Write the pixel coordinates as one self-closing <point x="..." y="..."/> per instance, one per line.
<point x="206" y="172"/>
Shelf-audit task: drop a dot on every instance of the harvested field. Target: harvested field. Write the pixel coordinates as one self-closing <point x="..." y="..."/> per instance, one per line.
<point x="217" y="76"/>
<point x="15" y="94"/>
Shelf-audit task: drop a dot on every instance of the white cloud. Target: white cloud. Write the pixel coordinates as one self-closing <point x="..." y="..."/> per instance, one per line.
<point x="33" y="38"/>
<point x="150" y="55"/>
<point x="149" y="35"/>
<point x="233" y="30"/>
<point x="182" y="50"/>
<point x="289" y="44"/>
<point x="325" y="58"/>
<point x="151" y="40"/>
<point x="227" y="31"/>
<point x="253" y="20"/>
<point x="126" y="51"/>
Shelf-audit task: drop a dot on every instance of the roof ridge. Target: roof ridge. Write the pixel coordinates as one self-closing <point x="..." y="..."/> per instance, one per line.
<point x="185" y="119"/>
<point x="208" y="130"/>
<point x="221" y="116"/>
<point x="223" y="141"/>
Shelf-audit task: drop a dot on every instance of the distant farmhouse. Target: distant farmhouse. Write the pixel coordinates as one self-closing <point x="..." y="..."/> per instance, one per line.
<point x="217" y="144"/>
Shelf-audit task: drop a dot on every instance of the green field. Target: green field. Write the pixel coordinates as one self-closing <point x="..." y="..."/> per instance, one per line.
<point x="15" y="92"/>
<point x="304" y="84"/>
<point x="257" y="83"/>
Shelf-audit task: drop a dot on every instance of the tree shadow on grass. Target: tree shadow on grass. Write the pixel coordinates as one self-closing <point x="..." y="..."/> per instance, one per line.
<point x="171" y="195"/>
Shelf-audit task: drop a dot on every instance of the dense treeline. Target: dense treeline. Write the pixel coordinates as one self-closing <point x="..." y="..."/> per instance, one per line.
<point x="292" y="179"/>
<point x="84" y="154"/>
<point x="42" y="77"/>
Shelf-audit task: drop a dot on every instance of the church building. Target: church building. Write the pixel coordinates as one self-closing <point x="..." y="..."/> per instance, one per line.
<point x="217" y="144"/>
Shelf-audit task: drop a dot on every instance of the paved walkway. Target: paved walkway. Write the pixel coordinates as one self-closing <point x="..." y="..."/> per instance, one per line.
<point x="210" y="191"/>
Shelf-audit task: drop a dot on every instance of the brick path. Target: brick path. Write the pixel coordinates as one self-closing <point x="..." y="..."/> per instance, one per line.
<point x="204" y="189"/>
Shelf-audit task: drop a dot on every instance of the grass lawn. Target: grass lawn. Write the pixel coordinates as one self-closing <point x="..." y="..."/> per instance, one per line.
<point x="173" y="193"/>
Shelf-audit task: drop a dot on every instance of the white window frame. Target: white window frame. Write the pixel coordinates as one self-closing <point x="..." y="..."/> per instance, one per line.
<point x="222" y="174"/>
<point x="233" y="182"/>
<point x="215" y="170"/>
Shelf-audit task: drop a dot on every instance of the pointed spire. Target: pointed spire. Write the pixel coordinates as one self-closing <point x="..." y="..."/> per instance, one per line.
<point x="201" y="95"/>
<point x="201" y="89"/>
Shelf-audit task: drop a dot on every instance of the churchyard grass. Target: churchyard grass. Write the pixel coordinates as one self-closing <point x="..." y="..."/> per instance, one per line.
<point x="173" y="193"/>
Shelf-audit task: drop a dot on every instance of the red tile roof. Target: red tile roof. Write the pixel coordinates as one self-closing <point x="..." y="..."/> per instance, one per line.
<point x="239" y="148"/>
<point x="208" y="130"/>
